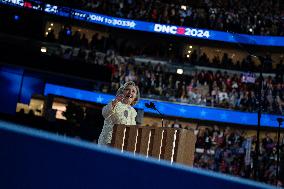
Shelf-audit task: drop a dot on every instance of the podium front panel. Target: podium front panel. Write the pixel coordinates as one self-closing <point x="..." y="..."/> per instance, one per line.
<point x="158" y="135"/>
<point x="131" y="138"/>
<point x="186" y="147"/>
<point x="144" y="142"/>
<point x="168" y="144"/>
<point x="118" y="135"/>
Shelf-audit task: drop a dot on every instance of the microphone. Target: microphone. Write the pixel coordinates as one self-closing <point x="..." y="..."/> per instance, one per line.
<point x="150" y="105"/>
<point x="280" y="119"/>
<point x="147" y="105"/>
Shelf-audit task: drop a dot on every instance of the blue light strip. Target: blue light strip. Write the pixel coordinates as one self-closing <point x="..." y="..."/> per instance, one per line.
<point x="148" y="26"/>
<point x="168" y="108"/>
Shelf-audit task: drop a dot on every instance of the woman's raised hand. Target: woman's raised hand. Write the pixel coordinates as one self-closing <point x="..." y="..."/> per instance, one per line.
<point x="118" y="98"/>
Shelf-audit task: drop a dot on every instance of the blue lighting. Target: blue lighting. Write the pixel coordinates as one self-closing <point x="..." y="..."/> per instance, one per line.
<point x="68" y="32"/>
<point x="10" y="84"/>
<point x="153" y="27"/>
<point x="169" y="108"/>
<point x="16" y="17"/>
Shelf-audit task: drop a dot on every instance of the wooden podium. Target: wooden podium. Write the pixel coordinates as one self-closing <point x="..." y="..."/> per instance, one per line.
<point x="175" y="145"/>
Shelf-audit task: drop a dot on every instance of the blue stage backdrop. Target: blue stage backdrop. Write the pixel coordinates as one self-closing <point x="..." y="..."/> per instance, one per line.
<point x="30" y="85"/>
<point x="17" y="86"/>
<point x="147" y="26"/>
<point x="169" y="108"/>
<point x="10" y="85"/>
<point x="33" y="159"/>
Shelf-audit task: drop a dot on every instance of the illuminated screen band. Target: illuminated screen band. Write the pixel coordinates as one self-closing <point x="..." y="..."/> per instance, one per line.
<point x="147" y="26"/>
<point x="169" y="108"/>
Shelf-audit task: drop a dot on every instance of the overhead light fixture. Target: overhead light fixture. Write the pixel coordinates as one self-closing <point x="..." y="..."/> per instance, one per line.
<point x="190" y="46"/>
<point x="43" y="49"/>
<point x="51" y="24"/>
<point x="183" y="7"/>
<point x="16" y="17"/>
<point x="179" y="71"/>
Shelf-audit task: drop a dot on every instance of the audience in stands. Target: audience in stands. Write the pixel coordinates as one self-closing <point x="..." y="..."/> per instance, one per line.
<point x="101" y="44"/>
<point x="206" y="88"/>
<point x="231" y="152"/>
<point x="257" y="17"/>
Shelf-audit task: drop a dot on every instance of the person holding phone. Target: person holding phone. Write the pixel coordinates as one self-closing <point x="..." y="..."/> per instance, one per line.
<point x="119" y="111"/>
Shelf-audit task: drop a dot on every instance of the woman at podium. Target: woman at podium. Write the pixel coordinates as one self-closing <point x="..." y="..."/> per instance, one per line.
<point x="119" y="111"/>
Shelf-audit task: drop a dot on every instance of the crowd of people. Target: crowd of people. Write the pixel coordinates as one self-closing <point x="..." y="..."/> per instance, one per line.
<point x="207" y="88"/>
<point x="232" y="152"/>
<point x="257" y="17"/>
<point x="225" y="62"/>
<point x="197" y="57"/>
<point x="203" y="87"/>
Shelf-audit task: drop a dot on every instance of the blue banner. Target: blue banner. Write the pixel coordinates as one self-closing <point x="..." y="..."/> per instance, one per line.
<point x="148" y="26"/>
<point x="169" y="108"/>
